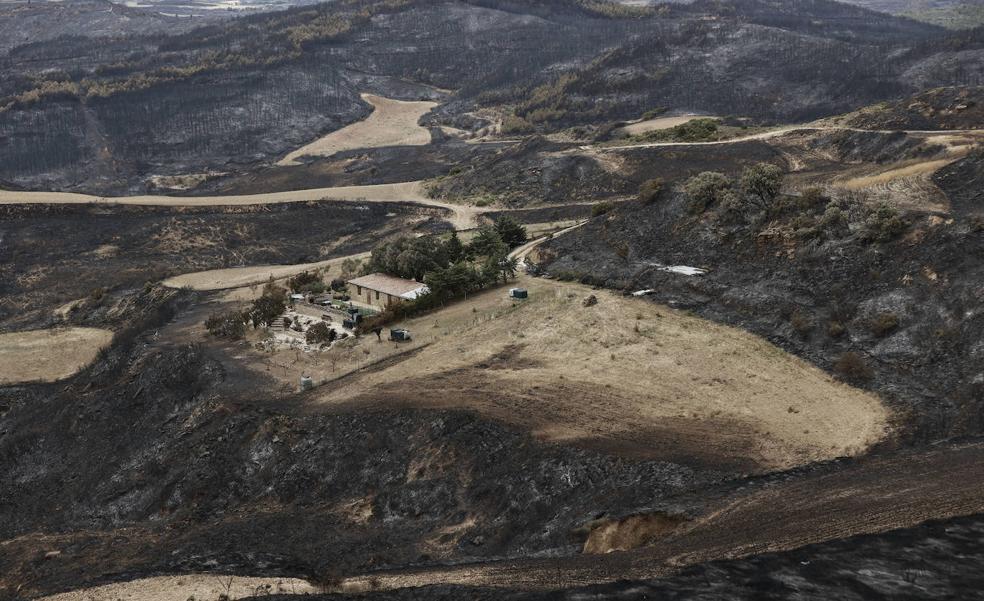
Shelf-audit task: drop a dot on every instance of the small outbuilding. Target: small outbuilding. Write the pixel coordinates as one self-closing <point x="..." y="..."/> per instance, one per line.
<point x="400" y="335"/>
<point x="518" y="293"/>
<point x="381" y="290"/>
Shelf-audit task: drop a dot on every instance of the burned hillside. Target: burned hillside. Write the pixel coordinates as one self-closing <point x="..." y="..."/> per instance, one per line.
<point x="490" y="299"/>
<point x="888" y="298"/>
<point x="202" y="101"/>
<point x="50" y="261"/>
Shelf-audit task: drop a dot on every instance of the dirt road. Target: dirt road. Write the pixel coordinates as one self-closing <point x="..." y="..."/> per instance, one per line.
<point x="463" y="217"/>
<point x="976" y="133"/>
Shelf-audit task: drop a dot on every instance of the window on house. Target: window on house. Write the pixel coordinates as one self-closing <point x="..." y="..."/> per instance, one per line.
<point x="377" y="295"/>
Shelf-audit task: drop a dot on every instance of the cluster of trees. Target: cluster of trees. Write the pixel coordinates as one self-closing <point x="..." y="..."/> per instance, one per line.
<point x="755" y="191"/>
<point x="263" y="312"/>
<point x="696" y="130"/>
<point x="415" y="258"/>
<point x="755" y="197"/>
<point x="450" y="268"/>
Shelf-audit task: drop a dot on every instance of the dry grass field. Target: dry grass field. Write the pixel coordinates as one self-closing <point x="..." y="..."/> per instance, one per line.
<point x="203" y="587"/>
<point x="625" y="375"/>
<point x="48" y="355"/>
<point x="894" y="173"/>
<point x="392" y="123"/>
<point x="648" y="125"/>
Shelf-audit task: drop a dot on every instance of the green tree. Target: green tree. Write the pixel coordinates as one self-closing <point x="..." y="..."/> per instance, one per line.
<point x="409" y="257"/>
<point x="320" y="333"/>
<point x="454" y="249"/>
<point x="508" y="267"/>
<point x="510" y="231"/>
<point x="487" y="243"/>
<point x="231" y="325"/>
<point x="306" y="281"/>
<point x="459" y="279"/>
<point x="269" y="306"/>
<point x="761" y="184"/>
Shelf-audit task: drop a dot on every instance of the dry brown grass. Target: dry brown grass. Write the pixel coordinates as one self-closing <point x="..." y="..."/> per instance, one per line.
<point x="648" y="125"/>
<point x="392" y="123"/>
<point x="48" y="355"/>
<point x="681" y="387"/>
<point x="897" y="172"/>
<point x="202" y="587"/>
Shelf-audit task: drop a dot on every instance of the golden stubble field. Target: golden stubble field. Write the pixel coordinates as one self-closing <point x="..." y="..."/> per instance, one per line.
<point x="624" y="375"/>
<point x="48" y="355"/>
<point x="392" y="123"/>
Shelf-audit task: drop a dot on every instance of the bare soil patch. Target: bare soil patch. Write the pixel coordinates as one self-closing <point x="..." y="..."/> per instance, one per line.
<point x="48" y="355"/>
<point x="392" y="123"/>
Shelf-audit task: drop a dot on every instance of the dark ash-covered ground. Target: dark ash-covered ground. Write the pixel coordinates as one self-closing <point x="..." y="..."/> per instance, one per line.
<point x="934" y="561"/>
<point x="55" y="254"/>
<point x="209" y="474"/>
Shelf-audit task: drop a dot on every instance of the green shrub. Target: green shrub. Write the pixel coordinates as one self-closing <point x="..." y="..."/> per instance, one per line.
<point x="304" y="281"/>
<point x="812" y="198"/>
<point x="513" y="124"/>
<point x="706" y="189"/>
<point x="654" y="113"/>
<point x="833" y="217"/>
<point x="696" y="130"/>
<point x="320" y="333"/>
<point x="884" y="224"/>
<point x="760" y="184"/>
<point x="230" y="325"/>
<point x="269" y="306"/>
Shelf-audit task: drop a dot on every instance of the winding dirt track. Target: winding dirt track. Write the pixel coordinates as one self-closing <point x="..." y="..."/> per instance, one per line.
<point x="463" y="217"/>
<point x="775" y="133"/>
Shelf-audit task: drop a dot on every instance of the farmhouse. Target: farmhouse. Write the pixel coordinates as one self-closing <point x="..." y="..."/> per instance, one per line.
<point x="381" y="290"/>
